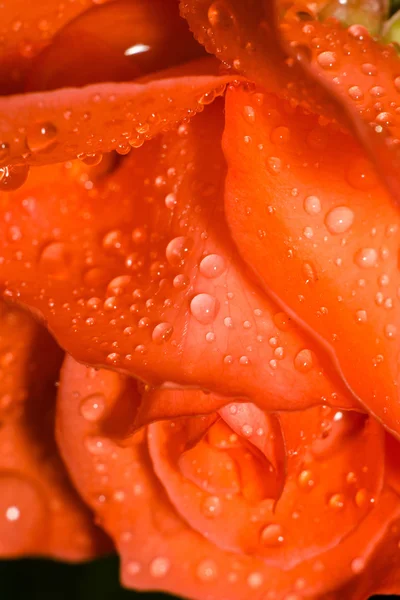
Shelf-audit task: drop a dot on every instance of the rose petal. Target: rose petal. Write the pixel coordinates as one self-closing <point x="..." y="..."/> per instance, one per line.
<point x="25" y="29"/>
<point x="146" y="36"/>
<point x="332" y="230"/>
<point x="41" y="128"/>
<point x="156" y="287"/>
<point x="159" y="551"/>
<point x="40" y="512"/>
<point x="335" y="72"/>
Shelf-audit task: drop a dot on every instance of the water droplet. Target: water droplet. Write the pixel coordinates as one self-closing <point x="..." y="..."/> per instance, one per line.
<point x="211" y="507"/>
<point x="133" y="567"/>
<point x="22" y="513"/>
<point x="91" y="160"/>
<point x="249" y="114"/>
<point x="170" y="201"/>
<point x="162" y="333"/>
<point x="178" y="250"/>
<point x="272" y="535"/>
<point x="355" y="93"/>
<point x="180" y="282"/>
<point x="41" y="136"/>
<point x="361" y="175"/>
<point x="357" y="565"/>
<point x="339" y="220"/>
<point x="220" y="16"/>
<point x="212" y="266"/>
<point x="361" y="316"/>
<point x="327" y="60"/>
<point x="306" y="480"/>
<point x="92" y="408"/>
<point x="118" y="285"/>
<point x="280" y="136"/>
<point x="255" y="580"/>
<point x="312" y="205"/>
<point x="336" y="501"/>
<point x="98" y="446"/>
<point x="309" y="273"/>
<point x="369" y="69"/>
<point x="274" y="165"/>
<point x="204" y="308"/>
<point x="362" y="498"/>
<point x="4" y="150"/>
<point x="207" y="570"/>
<point x="303" y="361"/>
<point x="55" y="259"/>
<point x="247" y="430"/>
<point x="159" y="567"/>
<point x="13" y="177"/>
<point x="366" y="258"/>
<point x="390" y="331"/>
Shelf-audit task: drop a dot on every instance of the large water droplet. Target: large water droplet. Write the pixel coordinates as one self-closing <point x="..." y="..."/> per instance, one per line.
<point x="92" y="407"/>
<point x="327" y="60"/>
<point x="41" y="136"/>
<point x="55" y="259"/>
<point x="162" y="333"/>
<point x="212" y="266"/>
<point x="13" y="177"/>
<point x="303" y="361"/>
<point x="178" y="250"/>
<point x="366" y="258"/>
<point x="204" y="308"/>
<point x="272" y="535"/>
<point x="312" y="205"/>
<point x="339" y="220"/>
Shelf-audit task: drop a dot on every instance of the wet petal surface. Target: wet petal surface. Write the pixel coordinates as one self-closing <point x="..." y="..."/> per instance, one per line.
<point x="40" y="512"/>
<point x="156" y="288"/>
<point x="303" y="192"/>
<point x="159" y="550"/>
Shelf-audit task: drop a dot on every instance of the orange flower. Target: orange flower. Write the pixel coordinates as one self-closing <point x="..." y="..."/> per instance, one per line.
<point x="231" y="285"/>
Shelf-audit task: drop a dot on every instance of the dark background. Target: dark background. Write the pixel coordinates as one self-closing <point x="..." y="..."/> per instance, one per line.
<point x="47" y="580"/>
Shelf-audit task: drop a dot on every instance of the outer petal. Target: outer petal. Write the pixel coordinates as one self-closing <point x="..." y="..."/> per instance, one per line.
<point x="40" y="513"/>
<point x="146" y="36"/>
<point x="156" y="287"/>
<point x="304" y="193"/>
<point x="40" y="128"/>
<point x="334" y="72"/>
<point x="25" y="29"/>
<point x="158" y="549"/>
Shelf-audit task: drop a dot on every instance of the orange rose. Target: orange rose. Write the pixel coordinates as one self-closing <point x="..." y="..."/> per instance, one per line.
<point x="231" y="285"/>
